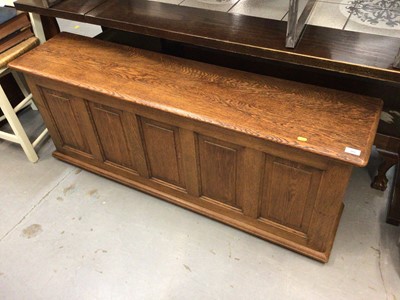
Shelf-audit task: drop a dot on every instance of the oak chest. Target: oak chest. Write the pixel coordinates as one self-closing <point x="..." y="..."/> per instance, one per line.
<point x="268" y="156"/>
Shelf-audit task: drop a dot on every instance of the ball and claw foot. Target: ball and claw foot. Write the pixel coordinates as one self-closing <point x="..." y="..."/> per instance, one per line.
<point x="380" y="183"/>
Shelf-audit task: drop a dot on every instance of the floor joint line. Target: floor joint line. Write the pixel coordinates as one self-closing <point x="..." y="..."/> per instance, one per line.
<point x="34" y="206"/>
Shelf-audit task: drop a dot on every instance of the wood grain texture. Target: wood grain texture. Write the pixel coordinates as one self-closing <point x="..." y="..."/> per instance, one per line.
<point x="250" y="179"/>
<point x="326" y="78"/>
<point x="326" y="214"/>
<point x="341" y="51"/>
<point x="59" y="109"/>
<point x="68" y="121"/>
<point x="112" y="131"/>
<point x="265" y="107"/>
<point x="190" y="161"/>
<point x="165" y="165"/>
<point x="219" y="163"/>
<point x="296" y="187"/>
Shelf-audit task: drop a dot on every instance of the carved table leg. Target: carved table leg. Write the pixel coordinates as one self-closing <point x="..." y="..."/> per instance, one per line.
<point x="50" y="26"/>
<point x="396" y="63"/>
<point x="389" y="160"/>
<point x="393" y="212"/>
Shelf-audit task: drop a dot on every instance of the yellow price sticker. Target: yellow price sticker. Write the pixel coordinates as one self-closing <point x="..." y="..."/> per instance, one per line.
<point x="301" y="139"/>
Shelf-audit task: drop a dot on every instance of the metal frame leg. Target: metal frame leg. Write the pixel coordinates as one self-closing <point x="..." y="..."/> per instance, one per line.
<point x="295" y="26"/>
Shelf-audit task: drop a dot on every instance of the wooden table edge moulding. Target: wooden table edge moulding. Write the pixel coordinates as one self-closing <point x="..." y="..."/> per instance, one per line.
<point x="268" y="156"/>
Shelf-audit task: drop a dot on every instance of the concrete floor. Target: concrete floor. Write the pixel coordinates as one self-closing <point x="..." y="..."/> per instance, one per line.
<point x="70" y="234"/>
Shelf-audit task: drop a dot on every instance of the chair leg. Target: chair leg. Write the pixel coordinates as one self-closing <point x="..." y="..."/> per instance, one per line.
<point x="17" y="128"/>
<point x="393" y="211"/>
<point x="37" y="27"/>
<point x="389" y="160"/>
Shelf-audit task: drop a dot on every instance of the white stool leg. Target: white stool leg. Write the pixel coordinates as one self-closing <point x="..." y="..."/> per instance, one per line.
<point x="33" y="106"/>
<point x="37" y="27"/>
<point x="17" y="127"/>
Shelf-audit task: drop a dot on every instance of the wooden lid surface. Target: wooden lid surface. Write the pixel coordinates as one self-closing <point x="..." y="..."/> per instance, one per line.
<point x="327" y="122"/>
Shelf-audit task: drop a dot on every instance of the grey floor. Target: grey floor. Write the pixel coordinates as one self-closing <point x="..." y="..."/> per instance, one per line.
<point x="69" y="234"/>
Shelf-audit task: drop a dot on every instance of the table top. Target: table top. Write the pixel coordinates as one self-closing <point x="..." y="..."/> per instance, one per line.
<point x="68" y="9"/>
<point x="347" y="52"/>
<point x="331" y="123"/>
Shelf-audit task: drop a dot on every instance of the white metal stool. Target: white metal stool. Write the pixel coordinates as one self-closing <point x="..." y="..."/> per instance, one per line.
<point x="10" y="114"/>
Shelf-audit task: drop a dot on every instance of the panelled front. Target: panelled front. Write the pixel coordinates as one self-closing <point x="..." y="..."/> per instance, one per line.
<point x="262" y="192"/>
<point x="219" y="163"/>
<point x="289" y="191"/>
<point x="112" y="128"/>
<point x="163" y="151"/>
<point x="71" y="121"/>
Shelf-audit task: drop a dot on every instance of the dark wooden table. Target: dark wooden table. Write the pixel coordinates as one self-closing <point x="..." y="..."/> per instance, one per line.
<point x="346" y="52"/>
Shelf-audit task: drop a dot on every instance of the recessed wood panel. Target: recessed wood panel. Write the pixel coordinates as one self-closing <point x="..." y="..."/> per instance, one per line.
<point x="66" y="110"/>
<point x="163" y="150"/>
<point x="289" y="192"/>
<point x="218" y="170"/>
<point x="111" y="127"/>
